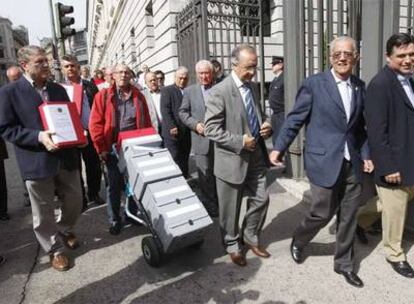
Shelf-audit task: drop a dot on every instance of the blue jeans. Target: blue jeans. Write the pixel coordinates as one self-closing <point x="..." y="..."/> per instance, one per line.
<point x="113" y="189"/>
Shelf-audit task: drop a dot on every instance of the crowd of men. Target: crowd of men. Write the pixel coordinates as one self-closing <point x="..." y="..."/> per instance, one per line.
<point x="350" y="131"/>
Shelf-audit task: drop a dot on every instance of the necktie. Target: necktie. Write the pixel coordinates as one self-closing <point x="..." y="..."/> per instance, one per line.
<point x="251" y="112"/>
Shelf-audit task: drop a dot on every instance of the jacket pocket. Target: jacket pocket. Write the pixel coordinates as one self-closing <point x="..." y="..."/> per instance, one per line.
<point x="315" y="150"/>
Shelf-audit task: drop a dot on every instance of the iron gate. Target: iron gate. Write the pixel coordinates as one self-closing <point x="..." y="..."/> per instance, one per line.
<point x="210" y="29"/>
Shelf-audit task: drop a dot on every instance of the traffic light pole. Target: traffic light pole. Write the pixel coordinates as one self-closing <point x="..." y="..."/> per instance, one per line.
<point x="55" y="64"/>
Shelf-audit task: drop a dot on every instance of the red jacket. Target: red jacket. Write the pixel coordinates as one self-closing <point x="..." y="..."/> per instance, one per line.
<point x="102" y="118"/>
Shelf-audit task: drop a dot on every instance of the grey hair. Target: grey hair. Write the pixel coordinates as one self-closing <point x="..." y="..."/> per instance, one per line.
<point x="340" y="39"/>
<point x="203" y="63"/>
<point x="27" y="51"/>
<point x="119" y="65"/>
<point x="235" y="54"/>
<point x="70" y="58"/>
<point x="181" y="69"/>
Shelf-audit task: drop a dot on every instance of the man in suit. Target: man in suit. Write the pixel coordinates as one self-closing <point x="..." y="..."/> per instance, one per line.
<point x="71" y="71"/>
<point x="390" y="125"/>
<point x="45" y="168"/>
<point x="192" y="112"/>
<point x="177" y="138"/>
<point x="120" y="108"/>
<point x="14" y="73"/>
<point x="4" y="216"/>
<point x="277" y="96"/>
<point x="152" y="95"/>
<point x="236" y="124"/>
<point x="330" y="104"/>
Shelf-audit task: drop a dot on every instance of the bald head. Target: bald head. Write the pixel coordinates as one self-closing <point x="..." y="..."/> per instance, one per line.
<point x="13" y="73"/>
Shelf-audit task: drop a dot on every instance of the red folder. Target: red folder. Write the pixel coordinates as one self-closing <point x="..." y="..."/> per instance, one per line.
<point x="77" y="95"/>
<point x="80" y="135"/>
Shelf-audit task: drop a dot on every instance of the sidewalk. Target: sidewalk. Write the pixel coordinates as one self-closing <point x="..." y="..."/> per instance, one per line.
<point x="111" y="269"/>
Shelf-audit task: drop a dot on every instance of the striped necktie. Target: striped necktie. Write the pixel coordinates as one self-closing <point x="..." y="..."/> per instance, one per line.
<point x="251" y="112"/>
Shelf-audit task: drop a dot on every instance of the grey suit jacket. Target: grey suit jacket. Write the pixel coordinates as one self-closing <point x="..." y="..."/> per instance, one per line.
<point x="191" y="113"/>
<point x="226" y="122"/>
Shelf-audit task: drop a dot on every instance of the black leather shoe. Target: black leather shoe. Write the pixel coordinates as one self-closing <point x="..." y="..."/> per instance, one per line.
<point x="115" y="228"/>
<point x="351" y="277"/>
<point x="296" y="252"/>
<point x="4" y="217"/>
<point x="360" y="233"/>
<point x="403" y="268"/>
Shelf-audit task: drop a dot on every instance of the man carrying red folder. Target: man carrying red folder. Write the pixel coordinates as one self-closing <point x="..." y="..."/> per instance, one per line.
<point x="83" y="92"/>
<point x="46" y="168"/>
<point x="120" y="108"/>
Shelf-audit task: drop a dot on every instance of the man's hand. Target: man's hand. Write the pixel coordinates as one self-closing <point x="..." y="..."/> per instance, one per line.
<point x="275" y="158"/>
<point x="368" y="166"/>
<point x="249" y="143"/>
<point x="87" y="141"/>
<point x="200" y="129"/>
<point x="265" y="130"/>
<point x="174" y="132"/>
<point x="394" y="178"/>
<point x="45" y="137"/>
<point x="103" y="156"/>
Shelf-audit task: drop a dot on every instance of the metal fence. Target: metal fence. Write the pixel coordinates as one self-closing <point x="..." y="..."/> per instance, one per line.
<point x="210" y="29"/>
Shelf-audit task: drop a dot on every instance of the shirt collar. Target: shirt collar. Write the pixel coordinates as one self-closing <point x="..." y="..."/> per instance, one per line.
<point x="31" y="81"/>
<point x="338" y="80"/>
<point x="237" y="80"/>
<point x="403" y="78"/>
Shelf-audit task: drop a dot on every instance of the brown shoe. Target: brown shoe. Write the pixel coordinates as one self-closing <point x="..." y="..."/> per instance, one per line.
<point x="238" y="259"/>
<point x="259" y="251"/>
<point x="59" y="262"/>
<point x="71" y="241"/>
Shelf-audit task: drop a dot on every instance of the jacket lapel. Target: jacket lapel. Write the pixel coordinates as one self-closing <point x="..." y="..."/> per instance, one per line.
<point x="200" y="100"/>
<point x="399" y="88"/>
<point x="333" y="91"/>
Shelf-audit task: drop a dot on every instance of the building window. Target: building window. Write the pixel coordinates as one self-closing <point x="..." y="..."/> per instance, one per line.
<point x="2" y="67"/>
<point x="249" y="26"/>
<point x="149" y="20"/>
<point x="1" y="39"/>
<point x="1" y="53"/>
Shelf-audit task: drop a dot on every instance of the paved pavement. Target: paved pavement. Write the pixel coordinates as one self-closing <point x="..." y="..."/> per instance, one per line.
<point x="111" y="269"/>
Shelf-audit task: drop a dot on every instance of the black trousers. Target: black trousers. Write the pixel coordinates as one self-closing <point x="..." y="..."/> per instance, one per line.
<point x="93" y="170"/>
<point x="342" y="199"/>
<point x="3" y="189"/>
<point x="180" y="151"/>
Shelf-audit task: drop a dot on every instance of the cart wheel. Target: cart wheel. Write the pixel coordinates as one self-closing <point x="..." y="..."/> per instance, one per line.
<point x="150" y="251"/>
<point x="197" y="245"/>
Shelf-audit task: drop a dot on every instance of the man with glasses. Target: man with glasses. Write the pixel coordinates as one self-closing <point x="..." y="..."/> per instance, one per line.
<point x="330" y="105"/>
<point x="122" y="107"/>
<point x="45" y="167"/>
<point x="160" y="77"/>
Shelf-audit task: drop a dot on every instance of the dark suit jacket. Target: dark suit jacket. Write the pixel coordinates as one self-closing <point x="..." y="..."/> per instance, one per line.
<point x="3" y="149"/>
<point x="191" y="113"/>
<point x="390" y="126"/>
<point x="319" y="106"/>
<point x="90" y="89"/>
<point x="171" y="99"/>
<point x="20" y="123"/>
<point x="277" y="95"/>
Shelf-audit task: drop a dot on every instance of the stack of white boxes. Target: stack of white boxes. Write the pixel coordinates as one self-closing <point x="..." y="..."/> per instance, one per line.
<point x="177" y="215"/>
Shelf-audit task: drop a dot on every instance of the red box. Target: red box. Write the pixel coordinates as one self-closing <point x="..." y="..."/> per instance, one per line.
<point x="132" y="134"/>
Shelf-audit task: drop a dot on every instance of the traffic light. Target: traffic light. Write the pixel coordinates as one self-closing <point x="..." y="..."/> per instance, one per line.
<point x="63" y="22"/>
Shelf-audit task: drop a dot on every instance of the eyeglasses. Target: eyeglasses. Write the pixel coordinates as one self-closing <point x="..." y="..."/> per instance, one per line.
<point x="160" y="78"/>
<point x="347" y="55"/>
